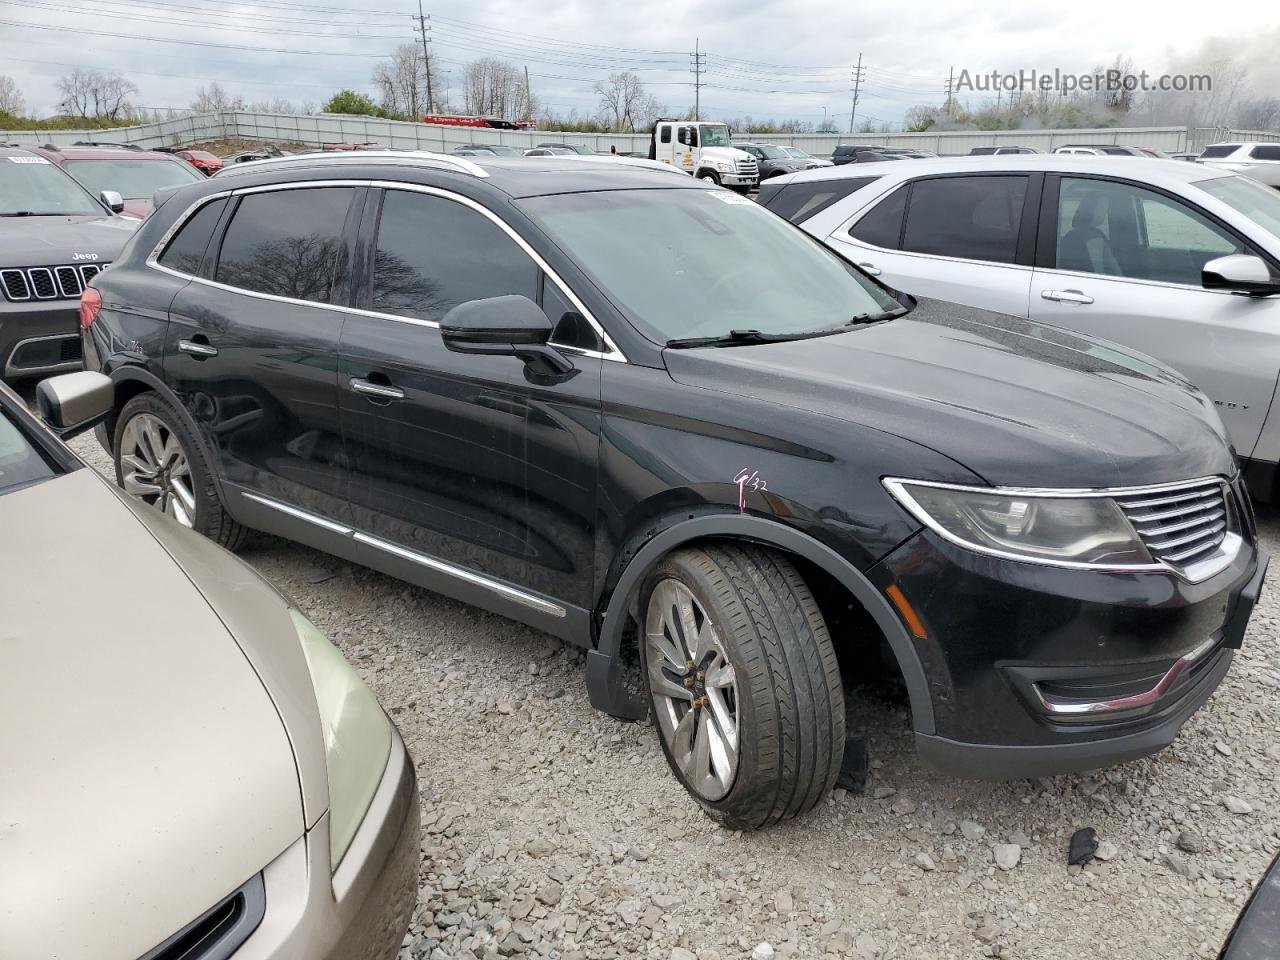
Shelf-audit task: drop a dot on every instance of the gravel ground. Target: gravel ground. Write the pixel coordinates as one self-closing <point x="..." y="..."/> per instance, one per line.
<point x="552" y="830"/>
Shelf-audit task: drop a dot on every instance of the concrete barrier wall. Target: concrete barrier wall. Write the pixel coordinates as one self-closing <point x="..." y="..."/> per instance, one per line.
<point x="323" y="128"/>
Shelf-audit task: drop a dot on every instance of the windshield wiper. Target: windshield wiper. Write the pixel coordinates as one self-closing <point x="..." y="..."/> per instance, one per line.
<point x="31" y="213"/>
<point x="733" y="338"/>
<point x="875" y="317"/>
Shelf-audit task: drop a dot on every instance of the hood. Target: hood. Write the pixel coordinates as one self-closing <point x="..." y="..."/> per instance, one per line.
<point x="725" y="153"/>
<point x="145" y="770"/>
<point x="41" y="241"/>
<point x="1018" y="403"/>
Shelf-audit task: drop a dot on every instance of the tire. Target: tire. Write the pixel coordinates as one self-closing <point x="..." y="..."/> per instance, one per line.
<point x="178" y="479"/>
<point x="710" y="175"/>
<point x="784" y="698"/>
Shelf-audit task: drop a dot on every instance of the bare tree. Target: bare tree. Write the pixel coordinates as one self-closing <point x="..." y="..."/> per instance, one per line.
<point x="11" y="100"/>
<point x="214" y="99"/>
<point x="94" y="94"/>
<point x="402" y="83"/>
<point x="1255" y="113"/>
<point x="274" y="105"/>
<point x="498" y="88"/>
<point x="620" y="97"/>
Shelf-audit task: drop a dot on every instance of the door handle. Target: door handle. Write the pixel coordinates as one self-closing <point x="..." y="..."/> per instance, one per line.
<point x="1066" y="296"/>
<point x="871" y="268"/>
<point x="201" y="351"/>
<point x="378" y="390"/>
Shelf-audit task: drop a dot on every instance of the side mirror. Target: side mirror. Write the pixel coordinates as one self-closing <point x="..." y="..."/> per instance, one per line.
<point x="75" y="402"/>
<point x="112" y="200"/>
<point x="504" y="326"/>
<point x="1239" y="273"/>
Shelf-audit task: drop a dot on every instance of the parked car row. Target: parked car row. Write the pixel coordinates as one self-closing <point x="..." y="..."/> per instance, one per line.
<point x="457" y="371"/>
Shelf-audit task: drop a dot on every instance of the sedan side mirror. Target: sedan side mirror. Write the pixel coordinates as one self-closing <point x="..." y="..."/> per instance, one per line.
<point x="75" y="402"/>
<point x="1239" y="273"/>
<point x="112" y="200"/>
<point x="504" y="326"/>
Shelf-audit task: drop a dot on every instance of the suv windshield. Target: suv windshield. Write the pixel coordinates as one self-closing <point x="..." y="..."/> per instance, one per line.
<point x="132" y="179"/>
<point x="699" y="273"/>
<point x="21" y="464"/>
<point x="1259" y="203"/>
<point x="34" y="187"/>
<point x="714" y="135"/>
<point x="769" y="152"/>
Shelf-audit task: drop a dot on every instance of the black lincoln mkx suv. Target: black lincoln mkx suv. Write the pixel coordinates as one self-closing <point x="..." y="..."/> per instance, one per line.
<point x="567" y="391"/>
<point x="54" y="238"/>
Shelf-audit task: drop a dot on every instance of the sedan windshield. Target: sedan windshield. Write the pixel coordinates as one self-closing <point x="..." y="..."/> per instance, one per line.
<point x="687" y="263"/>
<point x="132" y="179"/>
<point x="1259" y="203"/>
<point x="34" y="187"/>
<point x="20" y="463"/>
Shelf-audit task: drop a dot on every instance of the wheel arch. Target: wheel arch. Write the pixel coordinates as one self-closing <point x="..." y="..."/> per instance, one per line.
<point x="604" y="679"/>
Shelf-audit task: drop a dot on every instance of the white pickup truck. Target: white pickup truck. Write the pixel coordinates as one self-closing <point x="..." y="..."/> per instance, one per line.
<point x="703" y="150"/>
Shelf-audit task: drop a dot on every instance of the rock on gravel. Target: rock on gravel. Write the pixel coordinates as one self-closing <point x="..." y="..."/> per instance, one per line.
<point x="763" y="951"/>
<point x="1236" y="805"/>
<point x="1007" y="855"/>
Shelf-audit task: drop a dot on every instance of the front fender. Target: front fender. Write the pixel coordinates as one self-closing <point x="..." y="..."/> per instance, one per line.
<point x="604" y="676"/>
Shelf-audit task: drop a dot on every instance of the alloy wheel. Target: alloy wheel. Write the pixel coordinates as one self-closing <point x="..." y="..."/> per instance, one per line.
<point x="154" y="468"/>
<point x="694" y="689"/>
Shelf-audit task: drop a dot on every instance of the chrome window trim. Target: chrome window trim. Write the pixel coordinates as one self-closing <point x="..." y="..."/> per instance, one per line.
<point x="515" y="594"/>
<point x="1196" y="572"/>
<point x="613" y="353"/>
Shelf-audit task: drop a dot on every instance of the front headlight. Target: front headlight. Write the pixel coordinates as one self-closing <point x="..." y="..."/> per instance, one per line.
<point x="357" y="735"/>
<point x="1063" y="530"/>
<point x="724" y="167"/>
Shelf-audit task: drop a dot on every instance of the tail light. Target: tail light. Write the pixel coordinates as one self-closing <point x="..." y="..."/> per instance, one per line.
<point x="90" y="304"/>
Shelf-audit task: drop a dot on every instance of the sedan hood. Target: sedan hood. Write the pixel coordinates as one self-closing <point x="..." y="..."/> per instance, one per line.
<point x="1019" y="403"/>
<point x="48" y="241"/>
<point x="145" y="771"/>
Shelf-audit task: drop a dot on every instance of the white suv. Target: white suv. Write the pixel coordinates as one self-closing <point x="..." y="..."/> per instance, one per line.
<point x="1177" y="260"/>
<point x="1258" y="160"/>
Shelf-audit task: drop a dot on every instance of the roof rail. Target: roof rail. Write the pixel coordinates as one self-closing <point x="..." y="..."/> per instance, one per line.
<point x="103" y="143"/>
<point x="423" y="157"/>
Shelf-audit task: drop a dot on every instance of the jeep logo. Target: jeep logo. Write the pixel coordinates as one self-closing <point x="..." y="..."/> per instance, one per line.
<point x="84" y="256"/>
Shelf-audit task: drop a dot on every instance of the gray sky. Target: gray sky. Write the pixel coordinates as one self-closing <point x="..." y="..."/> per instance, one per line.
<point x="790" y="58"/>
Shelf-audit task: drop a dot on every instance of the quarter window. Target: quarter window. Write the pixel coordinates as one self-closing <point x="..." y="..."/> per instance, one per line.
<point x="800" y="201"/>
<point x="977" y="218"/>
<point x="881" y="226"/>
<point x="1120" y="230"/>
<point x="434" y="254"/>
<point x="286" y="243"/>
<point x="186" y="250"/>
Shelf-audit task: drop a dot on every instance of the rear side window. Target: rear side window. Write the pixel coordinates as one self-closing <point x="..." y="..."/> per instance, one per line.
<point x="185" y="251"/>
<point x="286" y="243"/>
<point x="434" y="254"/>
<point x="881" y="226"/>
<point x="1219" y="151"/>
<point x="1270" y="151"/>
<point x="798" y="202"/>
<point x="977" y="218"/>
<point x="666" y="135"/>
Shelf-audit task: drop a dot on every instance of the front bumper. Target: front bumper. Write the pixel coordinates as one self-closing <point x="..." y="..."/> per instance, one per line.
<point x="39" y="338"/>
<point x="1034" y="670"/>
<point x="738" y="180"/>
<point x="362" y="913"/>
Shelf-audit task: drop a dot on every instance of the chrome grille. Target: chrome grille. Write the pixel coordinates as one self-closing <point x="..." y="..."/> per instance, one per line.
<point x="747" y="168"/>
<point x="1179" y="525"/>
<point x="48" y="283"/>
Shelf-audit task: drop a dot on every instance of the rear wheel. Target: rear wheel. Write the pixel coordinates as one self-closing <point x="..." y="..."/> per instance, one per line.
<point x="159" y="463"/>
<point x="743" y="682"/>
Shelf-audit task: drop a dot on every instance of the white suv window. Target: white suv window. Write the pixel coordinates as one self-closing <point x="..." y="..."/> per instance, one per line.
<point x="1120" y="230"/>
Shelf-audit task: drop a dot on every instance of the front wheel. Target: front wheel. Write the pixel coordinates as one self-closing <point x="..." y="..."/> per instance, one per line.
<point x="710" y="176"/>
<point x="744" y="683"/>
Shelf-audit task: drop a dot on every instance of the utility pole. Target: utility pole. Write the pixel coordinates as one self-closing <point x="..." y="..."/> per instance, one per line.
<point x="857" y="85"/>
<point x="951" y="82"/>
<point x="424" y="27"/>
<point x="699" y="60"/>
<point x="528" y="95"/>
